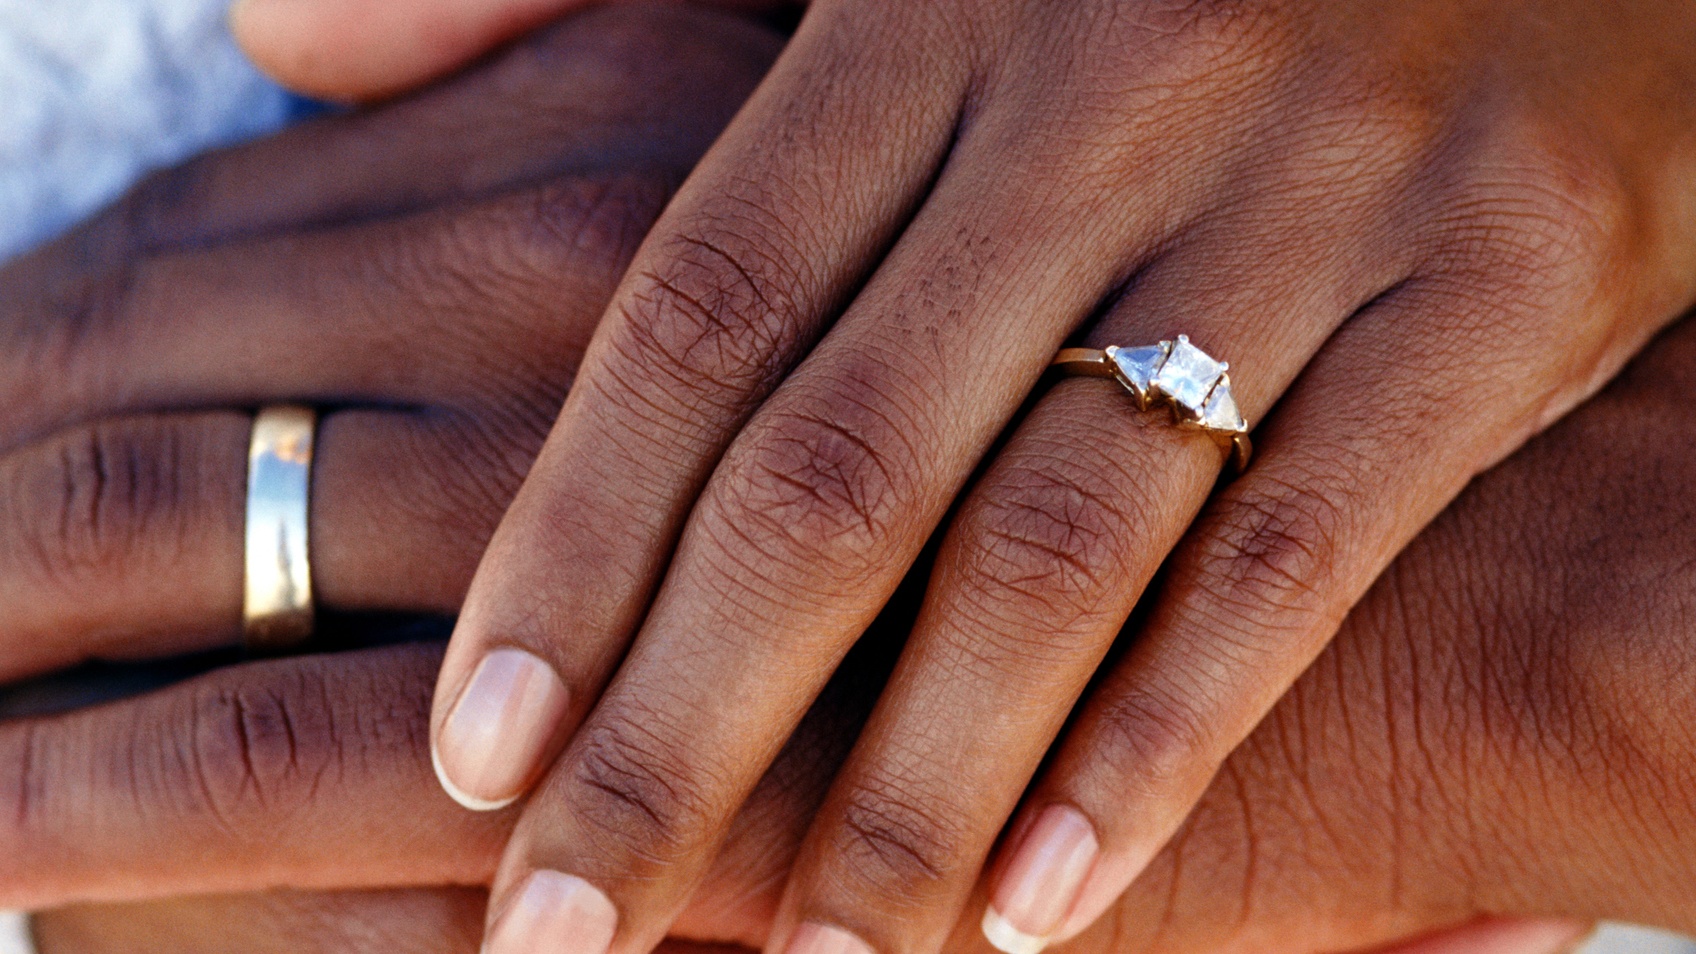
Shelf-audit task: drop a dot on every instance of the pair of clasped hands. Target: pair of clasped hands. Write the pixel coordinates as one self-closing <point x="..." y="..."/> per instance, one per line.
<point x="820" y="620"/>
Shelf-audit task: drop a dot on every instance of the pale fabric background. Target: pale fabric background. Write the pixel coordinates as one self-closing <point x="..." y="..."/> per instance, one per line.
<point x="98" y="92"/>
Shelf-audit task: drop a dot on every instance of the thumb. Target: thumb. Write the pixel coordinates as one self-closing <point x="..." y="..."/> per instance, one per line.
<point x="358" y="50"/>
<point x="334" y="49"/>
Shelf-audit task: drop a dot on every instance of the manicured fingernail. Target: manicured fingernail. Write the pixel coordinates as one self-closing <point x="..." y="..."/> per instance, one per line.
<point x="1041" y="882"/>
<point x="492" y="745"/>
<point x="554" y="914"/>
<point x="820" y="939"/>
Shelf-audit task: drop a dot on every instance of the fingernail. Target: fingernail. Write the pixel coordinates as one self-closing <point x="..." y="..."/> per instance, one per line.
<point x="493" y="742"/>
<point x="1041" y="882"/>
<point x="819" y="939"/>
<point x="555" y="914"/>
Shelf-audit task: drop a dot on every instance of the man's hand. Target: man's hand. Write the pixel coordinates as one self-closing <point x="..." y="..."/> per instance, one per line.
<point x="429" y="274"/>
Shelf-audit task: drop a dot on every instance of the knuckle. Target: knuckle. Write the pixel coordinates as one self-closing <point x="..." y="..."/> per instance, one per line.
<point x="515" y="260"/>
<point x="254" y="752"/>
<point x="164" y="209"/>
<point x="634" y="792"/>
<point x="68" y="352"/>
<point x="96" y="500"/>
<point x="1154" y="743"/>
<point x="900" y="848"/>
<point x="28" y="753"/>
<point x="1273" y="547"/>
<point x="586" y="222"/>
<point x="715" y="317"/>
<point x="1537" y="222"/>
<point x="1047" y="544"/>
<point x="819" y="490"/>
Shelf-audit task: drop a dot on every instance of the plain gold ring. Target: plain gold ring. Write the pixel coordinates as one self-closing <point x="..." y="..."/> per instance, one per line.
<point x="277" y="606"/>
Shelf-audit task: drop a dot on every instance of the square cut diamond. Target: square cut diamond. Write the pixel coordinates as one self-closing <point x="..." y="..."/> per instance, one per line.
<point x="1188" y="375"/>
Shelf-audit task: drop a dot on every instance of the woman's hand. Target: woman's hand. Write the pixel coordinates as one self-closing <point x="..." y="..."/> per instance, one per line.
<point x="1419" y="231"/>
<point x="428" y="274"/>
<point x="1501" y="730"/>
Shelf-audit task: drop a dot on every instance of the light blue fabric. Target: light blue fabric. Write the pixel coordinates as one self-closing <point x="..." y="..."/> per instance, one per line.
<point x="96" y="93"/>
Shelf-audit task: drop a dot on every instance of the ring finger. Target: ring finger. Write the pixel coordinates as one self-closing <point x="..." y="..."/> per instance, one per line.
<point x="121" y="532"/>
<point x="1038" y="574"/>
<point x="124" y="539"/>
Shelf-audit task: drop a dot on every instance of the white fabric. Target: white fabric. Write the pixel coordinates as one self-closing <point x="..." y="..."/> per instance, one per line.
<point x="14" y="934"/>
<point x="94" y="93"/>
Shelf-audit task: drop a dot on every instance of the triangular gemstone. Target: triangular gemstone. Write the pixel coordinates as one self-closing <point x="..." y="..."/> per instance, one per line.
<point x="1139" y="366"/>
<point x="1220" y="412"/>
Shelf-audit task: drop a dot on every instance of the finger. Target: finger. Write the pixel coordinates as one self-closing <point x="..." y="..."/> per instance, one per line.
<point x="597" y="94"/>
<point x="821" y="503"/>
<point x="500" y="298"/>
<point x="373" y="922"/>
<point x="124" y="540"/>
<point x="1043" y="562"/>
<point x="377" y="922"/>
<point x="183" y="792"/>
<point x="1349" y="471"/>
<point x="730" y="290"/>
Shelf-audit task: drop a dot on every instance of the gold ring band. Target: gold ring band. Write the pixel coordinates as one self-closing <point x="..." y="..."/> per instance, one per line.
<point x="277" y="607"/>
<point x="1178" y="375"/>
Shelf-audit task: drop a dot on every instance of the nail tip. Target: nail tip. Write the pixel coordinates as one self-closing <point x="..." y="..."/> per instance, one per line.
<point x="466" y="800"/>
<point x="1007" y="939"/>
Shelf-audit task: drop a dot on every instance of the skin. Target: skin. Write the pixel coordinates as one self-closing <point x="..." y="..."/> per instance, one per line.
<point x="1472" y="708"/>
<point x="1498" y="683"/>
<point x="1459" y="659"/>
<point x="1520" y="667"/>
<point x="427" y="276"/>
<point x="1423" y="231"/>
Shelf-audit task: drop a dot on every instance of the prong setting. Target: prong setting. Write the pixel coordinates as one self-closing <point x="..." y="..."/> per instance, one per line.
<point x="1192" y="384"/>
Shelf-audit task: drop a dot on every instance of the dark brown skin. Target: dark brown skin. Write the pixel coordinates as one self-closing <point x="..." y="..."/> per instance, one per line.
<point x="1501" y="729"/>
<point x="431" y="274"/>
<point x="1422" y="231"/>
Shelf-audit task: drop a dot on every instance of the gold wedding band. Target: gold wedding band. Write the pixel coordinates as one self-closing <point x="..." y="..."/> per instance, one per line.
<point x="277" y="609"/>
<point x="1178" y="375"/>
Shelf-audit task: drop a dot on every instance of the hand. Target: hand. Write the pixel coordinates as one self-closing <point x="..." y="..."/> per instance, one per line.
<point x="429" y="274"/>
<point x="1497" y="685"/>
<point x="1421" y="231"/>
<point x="448" y="922"/>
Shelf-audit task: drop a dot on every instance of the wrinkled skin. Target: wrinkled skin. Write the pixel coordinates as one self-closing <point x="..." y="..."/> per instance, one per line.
<point x="1501" y="729"/>
<point x="1421" y="231"/>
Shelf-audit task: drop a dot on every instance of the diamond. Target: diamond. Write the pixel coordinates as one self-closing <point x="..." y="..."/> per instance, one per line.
<point x="1138" y="366"/>
<point x="1188" y="375"/>
<point x="1220" y="412"/>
